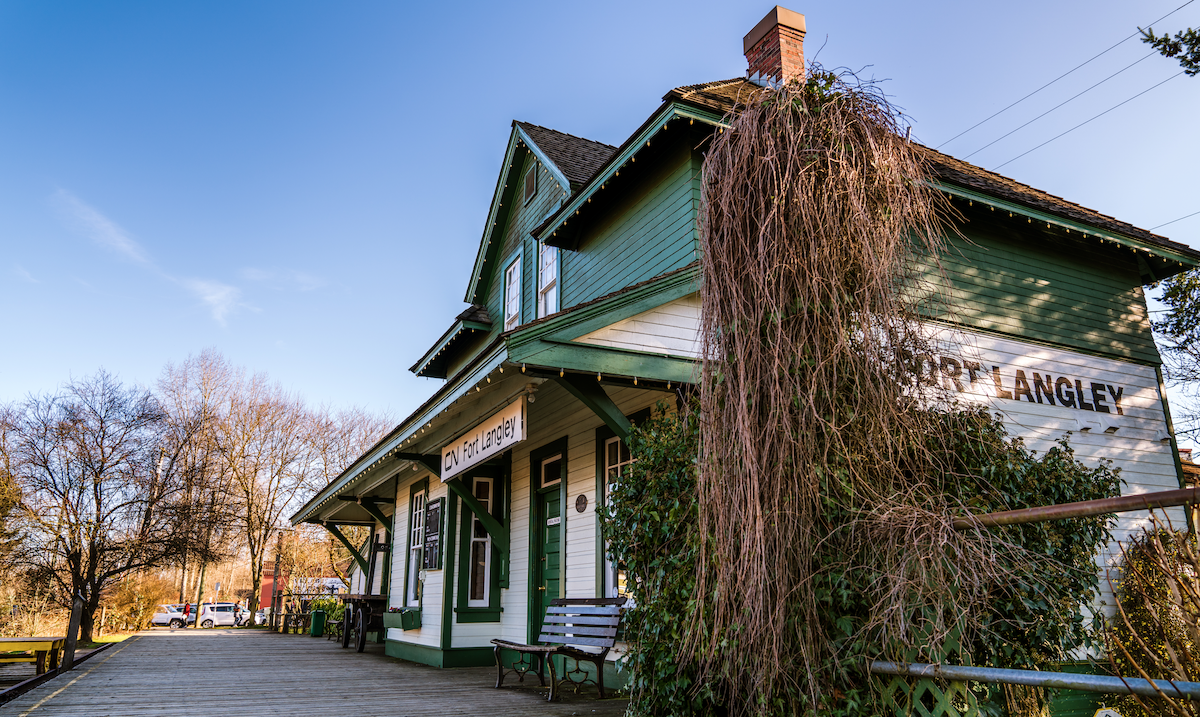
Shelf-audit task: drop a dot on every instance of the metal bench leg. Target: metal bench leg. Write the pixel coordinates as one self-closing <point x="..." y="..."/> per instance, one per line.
<point x="599" y="676"/>
<point x="499" y="668"/>
<point x="553" y="678"/>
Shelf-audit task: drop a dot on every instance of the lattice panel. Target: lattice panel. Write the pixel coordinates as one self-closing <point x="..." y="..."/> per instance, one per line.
<point x="929" y="698"/>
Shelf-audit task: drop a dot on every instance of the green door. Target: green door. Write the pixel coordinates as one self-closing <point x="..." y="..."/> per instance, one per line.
<point x="548" y="534"/>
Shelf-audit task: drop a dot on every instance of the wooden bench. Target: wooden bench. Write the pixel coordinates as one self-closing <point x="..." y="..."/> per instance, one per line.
<point x="569" y="625"/>
<point x="42" y="651"/>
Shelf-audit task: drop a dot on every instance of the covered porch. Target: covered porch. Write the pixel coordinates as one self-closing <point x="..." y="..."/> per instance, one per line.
<point x="232" y="673"/>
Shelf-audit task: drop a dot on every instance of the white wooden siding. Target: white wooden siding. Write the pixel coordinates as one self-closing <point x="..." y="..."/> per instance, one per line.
<point x="668" y="329"/>
<point x="1138" y="447"/>
<point x="553" y="415"/>
<point x="430" y="632"/>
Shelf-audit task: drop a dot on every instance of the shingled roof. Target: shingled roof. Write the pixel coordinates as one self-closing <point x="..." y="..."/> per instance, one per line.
<point x="577" y="158"/>
<point x="725" y="95"/>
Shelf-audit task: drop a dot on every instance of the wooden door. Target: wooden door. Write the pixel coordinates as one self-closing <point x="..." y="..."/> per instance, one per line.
<point x="549" y="541"/>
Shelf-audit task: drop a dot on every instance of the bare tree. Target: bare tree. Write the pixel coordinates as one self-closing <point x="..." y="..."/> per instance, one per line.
<point x="339" y="437"/>
<point x="264" y="440"/>
<point x="100" y="488"/>
<point x="196" y="395"/>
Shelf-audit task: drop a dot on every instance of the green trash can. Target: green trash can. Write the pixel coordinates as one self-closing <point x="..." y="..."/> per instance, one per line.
<point x="316" y="626"/>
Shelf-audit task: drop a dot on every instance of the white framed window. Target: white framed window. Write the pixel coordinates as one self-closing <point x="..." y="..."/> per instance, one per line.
<point x="617" y="460"/>
<point x="416" y="550"/>
<point x="479" y="579"/>
<point x="512" y="294"/>
<point x="547" y="280"/>
<point x="531" y="182"/>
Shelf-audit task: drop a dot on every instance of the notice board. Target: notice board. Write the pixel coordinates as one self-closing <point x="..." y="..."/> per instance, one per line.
<point x="432" y="559"/>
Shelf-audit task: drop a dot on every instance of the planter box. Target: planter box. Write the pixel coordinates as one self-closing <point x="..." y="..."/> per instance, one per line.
<point x="409" y="619"/>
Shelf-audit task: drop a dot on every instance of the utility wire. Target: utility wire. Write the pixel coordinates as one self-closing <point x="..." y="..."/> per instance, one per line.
<point x="1110" y="109"/>
<point x="1056" y="79"/>
<point x="1060" y="104"/>
<point x="1175" y="220"/>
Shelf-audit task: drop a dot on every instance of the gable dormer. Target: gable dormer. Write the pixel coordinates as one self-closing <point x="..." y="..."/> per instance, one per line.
<point x="515" y="279"/>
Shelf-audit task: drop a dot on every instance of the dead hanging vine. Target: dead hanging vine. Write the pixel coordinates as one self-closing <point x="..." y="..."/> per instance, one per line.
<point x="819" y="232"/>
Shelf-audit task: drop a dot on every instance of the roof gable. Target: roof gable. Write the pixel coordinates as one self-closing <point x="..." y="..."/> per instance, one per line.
<point x="570" y="160"/>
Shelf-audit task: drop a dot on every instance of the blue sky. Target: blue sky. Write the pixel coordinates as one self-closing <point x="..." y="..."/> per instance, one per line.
<point x="303" y="185"/>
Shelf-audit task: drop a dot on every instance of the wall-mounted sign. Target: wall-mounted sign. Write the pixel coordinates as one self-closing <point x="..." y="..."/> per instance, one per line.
<point x="495" y="435"/>
<point x="432" y="559"/>
<point x="581" y="503"/>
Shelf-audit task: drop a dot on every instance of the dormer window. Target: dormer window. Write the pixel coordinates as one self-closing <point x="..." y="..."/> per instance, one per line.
<point x="512" y="294"/>
<point x="547" y="280"/>
<point x="531" y="182"/>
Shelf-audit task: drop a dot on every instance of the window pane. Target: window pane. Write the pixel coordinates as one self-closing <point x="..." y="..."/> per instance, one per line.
<point x="612" y="453"/>
<point x="551" y="471"/>
<point x="483" y="491"/>
<point x="478" y="569"/>
<point x="480" y="532"/>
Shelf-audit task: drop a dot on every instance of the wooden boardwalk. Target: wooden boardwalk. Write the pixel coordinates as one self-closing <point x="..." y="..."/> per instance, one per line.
<point x="246" y="673"/>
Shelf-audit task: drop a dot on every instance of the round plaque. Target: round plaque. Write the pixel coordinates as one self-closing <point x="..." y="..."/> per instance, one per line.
<point x="581" y="503"/>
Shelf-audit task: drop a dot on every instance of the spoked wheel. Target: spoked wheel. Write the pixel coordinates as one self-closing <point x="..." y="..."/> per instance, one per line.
<point x="360" y="628"/>
<point x="176" y="623"/>
<point x="347" y="626"/>
<point x="206" y="624"/>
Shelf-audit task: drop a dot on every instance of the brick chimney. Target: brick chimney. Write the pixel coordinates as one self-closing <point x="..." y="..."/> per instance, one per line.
<point x="775" y="47"/>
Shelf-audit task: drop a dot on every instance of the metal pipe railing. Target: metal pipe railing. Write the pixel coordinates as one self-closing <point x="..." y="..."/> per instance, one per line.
<point x="1082" y="509"/>
<point x="1035" y="678"/>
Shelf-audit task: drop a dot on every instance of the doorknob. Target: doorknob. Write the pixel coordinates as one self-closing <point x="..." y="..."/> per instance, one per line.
<point x="542" y="587"/>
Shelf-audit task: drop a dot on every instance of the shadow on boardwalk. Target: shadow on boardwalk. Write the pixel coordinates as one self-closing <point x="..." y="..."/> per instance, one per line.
<point x="243" y="673"/>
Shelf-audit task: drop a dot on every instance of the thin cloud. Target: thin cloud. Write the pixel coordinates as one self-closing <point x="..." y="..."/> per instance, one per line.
<point x="99" y="228"/>
<point x="221" y="299"/>
<point x="284" y="279"/>
<point x="24" y="274"/>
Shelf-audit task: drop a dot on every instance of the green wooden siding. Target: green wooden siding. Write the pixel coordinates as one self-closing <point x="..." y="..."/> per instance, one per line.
<point x="521" y="222"/>
<point x="1036" y="290"/>
<point x="652" y="230"/>
<point x="1077" y="703"/>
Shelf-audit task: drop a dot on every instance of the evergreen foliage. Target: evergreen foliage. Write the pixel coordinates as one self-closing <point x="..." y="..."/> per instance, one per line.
<point x="1185" y="46"/>
<point x="1034" y="618"/>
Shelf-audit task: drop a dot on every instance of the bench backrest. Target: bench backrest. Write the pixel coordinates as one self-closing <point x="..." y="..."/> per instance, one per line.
<point x="582" y="623"/>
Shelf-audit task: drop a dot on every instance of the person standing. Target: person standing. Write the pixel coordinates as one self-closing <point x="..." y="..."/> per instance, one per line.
<point x="187" y="611"/>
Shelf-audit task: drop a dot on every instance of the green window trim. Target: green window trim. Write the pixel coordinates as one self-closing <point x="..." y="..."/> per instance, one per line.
<point x="501" y="481"/>
<point x="603" y="434"/>
<point x="421" y="487"/>
<point x="536" y="457"/>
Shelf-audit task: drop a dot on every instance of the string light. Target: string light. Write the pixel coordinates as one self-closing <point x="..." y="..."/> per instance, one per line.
<point x="560" y="373"/>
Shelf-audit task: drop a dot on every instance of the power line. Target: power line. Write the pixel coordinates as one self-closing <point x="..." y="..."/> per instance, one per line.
<point x="1035" y="119"/>
<point x="1175" y="220"/>
<point x="1056" y="79"/>
<point x="1110" y="109"/>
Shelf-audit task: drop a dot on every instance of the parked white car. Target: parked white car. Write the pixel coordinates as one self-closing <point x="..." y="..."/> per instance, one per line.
<point x="220" y="614"/>
<point x="172" y="616"/>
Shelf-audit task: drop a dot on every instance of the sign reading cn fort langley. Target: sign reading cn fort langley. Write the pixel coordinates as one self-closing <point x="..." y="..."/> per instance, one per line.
<point x="495" y="435"/>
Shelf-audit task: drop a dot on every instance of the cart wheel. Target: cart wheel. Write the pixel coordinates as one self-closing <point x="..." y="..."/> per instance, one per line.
<point x="347" y="626"/>
<point x="360" y="639"/>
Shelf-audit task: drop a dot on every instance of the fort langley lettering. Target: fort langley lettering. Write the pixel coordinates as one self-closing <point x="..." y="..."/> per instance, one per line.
<point x="1044" y="387"/>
